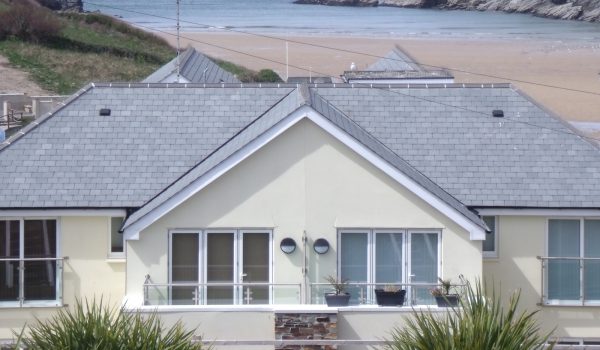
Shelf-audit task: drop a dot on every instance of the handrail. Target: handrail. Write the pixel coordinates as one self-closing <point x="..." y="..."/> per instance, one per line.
<point x="564" y="258"/>
<point x="579" y="263"/>
<point x="34" y="259"/>
<point x="223" y="284"/>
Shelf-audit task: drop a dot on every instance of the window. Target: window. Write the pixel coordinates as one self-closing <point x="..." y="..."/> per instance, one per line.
<point x="490" y="245"/>
<point x="215" y="263"/>
<point x="373" y="258"/>
<point x="572" y="268"/>
<point x="29" y="267"/>
<point x="116" y="238"/>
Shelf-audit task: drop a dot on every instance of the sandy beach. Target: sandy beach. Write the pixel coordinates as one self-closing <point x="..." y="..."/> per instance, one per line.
<point x="573" y="65"/>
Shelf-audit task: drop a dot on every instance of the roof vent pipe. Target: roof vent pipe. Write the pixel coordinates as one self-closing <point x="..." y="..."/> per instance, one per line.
<point x="498" y="113"/>
<point x="105" y="111"/>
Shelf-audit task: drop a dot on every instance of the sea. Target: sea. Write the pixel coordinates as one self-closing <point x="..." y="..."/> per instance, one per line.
<point x="283" y="17"/>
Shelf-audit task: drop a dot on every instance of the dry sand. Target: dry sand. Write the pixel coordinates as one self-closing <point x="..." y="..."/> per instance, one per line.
<point x="573" y="65"/>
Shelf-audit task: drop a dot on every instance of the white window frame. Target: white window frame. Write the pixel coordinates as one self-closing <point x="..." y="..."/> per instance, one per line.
<point x="58" y="302"/>
<point x="115" y="255"/>
<point x="238" y="235"/>
<point x="560" y="302"/>
<point x="492" y="254"/>
<point x="406" y="254"/>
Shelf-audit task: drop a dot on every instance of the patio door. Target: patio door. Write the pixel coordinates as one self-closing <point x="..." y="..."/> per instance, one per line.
<point x="235" y="259"/>
<point x="218" y="265"/>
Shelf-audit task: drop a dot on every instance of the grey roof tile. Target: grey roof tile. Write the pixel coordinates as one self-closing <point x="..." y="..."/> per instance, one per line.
<point x="195" y="68"/>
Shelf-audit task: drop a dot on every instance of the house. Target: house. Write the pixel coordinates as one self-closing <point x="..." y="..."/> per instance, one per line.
<point x="397" y="67"/>
<point x="226" y="205"/>
<point x="194" y="67"/>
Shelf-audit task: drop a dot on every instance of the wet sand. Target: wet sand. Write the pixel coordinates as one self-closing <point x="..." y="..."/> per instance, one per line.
<point x="574" y="65"/>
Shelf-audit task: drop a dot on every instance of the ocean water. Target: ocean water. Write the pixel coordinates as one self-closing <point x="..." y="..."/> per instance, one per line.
<point x="284" y="17"/>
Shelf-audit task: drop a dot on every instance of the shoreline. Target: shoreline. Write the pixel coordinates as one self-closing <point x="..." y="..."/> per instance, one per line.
<point x="571" y="65"/>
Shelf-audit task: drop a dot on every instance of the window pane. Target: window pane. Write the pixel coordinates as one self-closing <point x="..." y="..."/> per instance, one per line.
<point x="592" y="267"/>
<point x="563" y="275"/>
<point x="489" y="245"/>
<point x="116" y="238"/>
<point x="219" y="269"/>
<point x="424" y="265"/>
<point x="256" y="265"/>
<point x="9" y="248"/>
<point x="388" y="258"/>
<point x="40" y="276"/>
<point x="184" y="267"/>
<point x="354" y="260"/>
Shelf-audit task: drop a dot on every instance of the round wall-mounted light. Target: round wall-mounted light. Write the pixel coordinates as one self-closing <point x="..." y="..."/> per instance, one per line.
<point x="321" y="246"/>
<point x="287" y="245"/>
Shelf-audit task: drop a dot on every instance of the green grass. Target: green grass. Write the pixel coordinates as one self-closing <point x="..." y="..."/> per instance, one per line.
<point x="98" y="48"/>
<point x="248" y="75"/>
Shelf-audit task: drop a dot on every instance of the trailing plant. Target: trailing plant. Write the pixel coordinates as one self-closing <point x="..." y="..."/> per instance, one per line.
<point x="339" y="285"/>
<point x="481" y="323"/>
<point x="100" y="327"/>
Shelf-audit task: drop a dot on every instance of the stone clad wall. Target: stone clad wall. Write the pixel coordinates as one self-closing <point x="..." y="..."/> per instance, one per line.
<point x="306" y="326"/>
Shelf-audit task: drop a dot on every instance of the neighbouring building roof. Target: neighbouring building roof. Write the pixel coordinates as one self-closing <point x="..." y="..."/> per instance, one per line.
<point x="194" y="68"/>
<point x="159" y="136"/>
<point x="397" y="65"/>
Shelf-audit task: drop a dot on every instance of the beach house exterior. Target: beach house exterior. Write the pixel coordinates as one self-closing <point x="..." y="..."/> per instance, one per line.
<point x="226" y="205"/>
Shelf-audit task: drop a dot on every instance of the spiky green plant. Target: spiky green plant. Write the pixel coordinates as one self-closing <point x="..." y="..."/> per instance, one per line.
<point x="96" y="326"/>
<point x="481" y="323"/>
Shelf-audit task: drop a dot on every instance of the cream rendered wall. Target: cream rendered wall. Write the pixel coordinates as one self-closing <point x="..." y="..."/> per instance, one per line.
<point x="520" y="240"/>
<point x="87" y="273"/>
<point x="304" y="180"/>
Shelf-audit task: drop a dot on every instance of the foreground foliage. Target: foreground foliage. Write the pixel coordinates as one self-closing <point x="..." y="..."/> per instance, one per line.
<point x="95" y="326"/>
<point x="481" y="323"/>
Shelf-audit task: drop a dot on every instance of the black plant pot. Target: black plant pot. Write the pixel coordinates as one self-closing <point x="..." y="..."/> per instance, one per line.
<point x="390" y="298"/>
<point x="337" y="299"/>
<point x="450" y="300"/>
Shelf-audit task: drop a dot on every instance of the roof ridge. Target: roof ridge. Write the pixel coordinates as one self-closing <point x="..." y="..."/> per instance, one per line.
<point x="134" y="85"/>
<point x="36" y="122"/>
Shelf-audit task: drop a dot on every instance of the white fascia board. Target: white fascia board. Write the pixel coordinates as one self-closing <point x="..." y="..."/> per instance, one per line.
<point x="539" y="212"/>
<point x="62" y="212"/>
<point x="475" y="231"/>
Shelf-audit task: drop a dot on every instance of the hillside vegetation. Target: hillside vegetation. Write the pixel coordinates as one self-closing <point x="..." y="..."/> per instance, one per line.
<point x="65" y="51"/>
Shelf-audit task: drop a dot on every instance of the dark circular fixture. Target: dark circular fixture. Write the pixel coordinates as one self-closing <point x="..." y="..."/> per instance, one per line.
<point x="321" y="246"/>
<point x="287" y="245"/>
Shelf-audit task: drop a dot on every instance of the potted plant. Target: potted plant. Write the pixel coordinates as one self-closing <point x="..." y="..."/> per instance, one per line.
<point x="442" y="295"/>
<point x="390" y="296"/>
<point x="339" y="297"/>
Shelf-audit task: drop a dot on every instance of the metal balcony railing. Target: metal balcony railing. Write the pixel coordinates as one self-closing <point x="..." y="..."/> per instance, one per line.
<point x="31" y="281"/>
<point x="263" y="293"/>
<point x="226" y="293"/>
<point x="570" y="280"/>
<point x="363" y="293"/>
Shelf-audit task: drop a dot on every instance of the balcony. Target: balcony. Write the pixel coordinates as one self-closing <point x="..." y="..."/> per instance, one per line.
<point x="258" y="293"/>
<point x="31" y="282"/>
<point x="570" y="281"/>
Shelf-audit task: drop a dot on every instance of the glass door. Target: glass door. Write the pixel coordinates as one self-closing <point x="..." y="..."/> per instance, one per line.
<point x="256" y="267"/>
<point x="423" y="266"/>
<point x="220" y="267"/>
<point x="185" y="267"/>
<point x="354" y="263"/>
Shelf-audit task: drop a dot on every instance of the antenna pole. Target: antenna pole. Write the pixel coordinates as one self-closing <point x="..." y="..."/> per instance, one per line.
<point x="287" y="65"/>
<point x="178" y="47"/>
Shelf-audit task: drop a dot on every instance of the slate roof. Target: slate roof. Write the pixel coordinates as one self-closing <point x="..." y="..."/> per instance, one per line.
<point x="195" y="68"/>
<point x="398" y="65"/>
<point x="396" y="60"/>
<point x="159" y="133"/>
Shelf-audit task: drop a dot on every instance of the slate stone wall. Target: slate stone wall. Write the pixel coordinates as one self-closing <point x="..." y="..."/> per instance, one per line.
<point x="306" y="326"/>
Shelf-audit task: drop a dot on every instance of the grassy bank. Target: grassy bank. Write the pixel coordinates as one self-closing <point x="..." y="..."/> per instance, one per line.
<point x="91" y="47"/>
